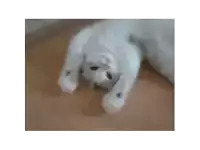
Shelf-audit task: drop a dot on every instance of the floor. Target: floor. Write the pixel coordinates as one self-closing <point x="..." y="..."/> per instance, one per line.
<point x="150" y="105"/>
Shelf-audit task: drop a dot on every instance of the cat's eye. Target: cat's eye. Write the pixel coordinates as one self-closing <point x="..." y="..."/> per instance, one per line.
<point x="67" y="73"/>
<point x="94" y="68"/>
<point x="119" y="95"/>
<point x="109" y="76"/>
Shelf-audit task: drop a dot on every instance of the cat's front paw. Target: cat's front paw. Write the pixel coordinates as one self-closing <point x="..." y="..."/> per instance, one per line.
<point x="67" y="84"/>
<point x="112" y="103"/>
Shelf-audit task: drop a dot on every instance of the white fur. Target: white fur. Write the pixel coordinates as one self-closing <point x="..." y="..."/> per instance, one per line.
<point x="107" y="45"/>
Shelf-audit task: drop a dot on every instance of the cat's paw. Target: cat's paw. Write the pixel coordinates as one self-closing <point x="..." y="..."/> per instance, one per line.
<point x="112" y="103"/>
<point x="67" y="84"/>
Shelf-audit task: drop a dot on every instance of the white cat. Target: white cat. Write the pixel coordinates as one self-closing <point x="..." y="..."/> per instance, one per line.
<point x="109" y="53"/>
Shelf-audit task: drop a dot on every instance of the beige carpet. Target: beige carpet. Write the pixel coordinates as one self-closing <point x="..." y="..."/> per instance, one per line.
<point x="150" y="105"/>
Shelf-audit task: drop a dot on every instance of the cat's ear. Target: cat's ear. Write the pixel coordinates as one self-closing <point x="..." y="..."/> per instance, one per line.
<point x="106" y="60"/>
